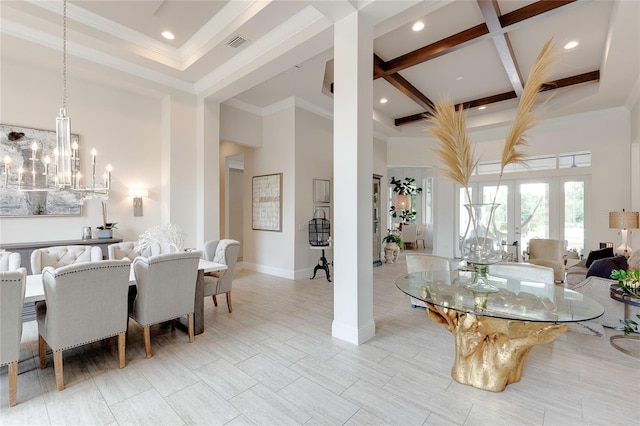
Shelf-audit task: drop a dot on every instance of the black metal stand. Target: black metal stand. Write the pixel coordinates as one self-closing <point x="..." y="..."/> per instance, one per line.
<point x="322" y="264"/>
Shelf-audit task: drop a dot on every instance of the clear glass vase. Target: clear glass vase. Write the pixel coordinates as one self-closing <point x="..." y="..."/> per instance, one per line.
<point x="480" y="246"/>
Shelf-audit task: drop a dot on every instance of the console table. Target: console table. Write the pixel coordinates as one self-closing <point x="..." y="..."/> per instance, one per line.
<point x="25" y="249"/>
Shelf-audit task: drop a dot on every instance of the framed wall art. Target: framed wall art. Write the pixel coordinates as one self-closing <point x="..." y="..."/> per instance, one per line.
<point x="321" y="191"/>
<point x="16" y="153"/>
<point x="267" y="202"/>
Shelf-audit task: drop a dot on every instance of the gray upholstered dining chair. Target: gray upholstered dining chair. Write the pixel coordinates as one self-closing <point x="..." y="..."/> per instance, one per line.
<point x="63" y="255"/>
<point x="10" y="261"/>
<point x="12" y="287"/>
<point x="130" y="250"/>
<point x="220" y="282"/>
<point x="166" y="286"/>
<point x="84" y="303"/>
<point x="419" y="262"/>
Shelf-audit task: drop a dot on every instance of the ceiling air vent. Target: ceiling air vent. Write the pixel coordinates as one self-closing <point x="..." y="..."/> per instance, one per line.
<point x="237" y="41"/>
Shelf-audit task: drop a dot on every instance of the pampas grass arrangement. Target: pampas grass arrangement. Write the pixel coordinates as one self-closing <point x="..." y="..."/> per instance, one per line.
<point x="455" y="149"/>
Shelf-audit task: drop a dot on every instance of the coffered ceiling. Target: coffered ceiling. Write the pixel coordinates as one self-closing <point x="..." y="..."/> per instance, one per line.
<point x="477" y="52"/>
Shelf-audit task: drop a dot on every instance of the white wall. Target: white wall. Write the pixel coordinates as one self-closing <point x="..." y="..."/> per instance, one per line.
<point x="240" y="126"/>
<point x="268" y="251"/>
<point x="313" y="160"/>
<point x="123" y="127"/>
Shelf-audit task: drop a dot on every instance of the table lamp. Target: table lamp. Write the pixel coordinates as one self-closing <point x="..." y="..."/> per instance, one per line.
<point x="624" y="221"/>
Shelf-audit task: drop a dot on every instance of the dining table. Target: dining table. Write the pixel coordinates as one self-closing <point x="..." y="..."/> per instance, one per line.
<point x="34" y="291"/>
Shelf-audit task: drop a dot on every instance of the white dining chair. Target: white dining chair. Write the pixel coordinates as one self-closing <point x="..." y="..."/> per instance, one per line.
<point x="420" y="262"/>
<point x="12" y="288"/>
<point x="59" y="256"/>
<point x="9" y="261"/>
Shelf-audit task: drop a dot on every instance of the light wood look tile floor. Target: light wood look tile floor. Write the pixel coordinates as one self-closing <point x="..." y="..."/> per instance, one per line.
<point x="273" y="362"/>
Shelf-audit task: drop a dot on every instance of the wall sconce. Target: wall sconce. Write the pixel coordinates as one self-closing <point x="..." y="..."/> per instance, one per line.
<point x="137" y="194"/>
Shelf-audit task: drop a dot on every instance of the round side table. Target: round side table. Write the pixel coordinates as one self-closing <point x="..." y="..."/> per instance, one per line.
<point x="621" y="296"/>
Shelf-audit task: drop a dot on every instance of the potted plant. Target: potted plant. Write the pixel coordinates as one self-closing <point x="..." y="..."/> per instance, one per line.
<point x="629" y="282"/>
<point x="106" y="230"/>
<point x="392" y="239"/>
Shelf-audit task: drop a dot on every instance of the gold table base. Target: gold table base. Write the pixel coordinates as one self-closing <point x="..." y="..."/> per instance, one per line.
<point x="490" y="352"/>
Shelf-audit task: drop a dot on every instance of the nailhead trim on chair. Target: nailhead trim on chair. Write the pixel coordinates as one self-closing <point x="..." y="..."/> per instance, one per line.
<point x="88" y="269"/>
<point x="85" y="343"/>
<point x="160" y="322"/>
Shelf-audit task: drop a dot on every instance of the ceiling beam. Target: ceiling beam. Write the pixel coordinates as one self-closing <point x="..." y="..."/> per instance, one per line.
<point x="508" y="22"/>
<point x="552" y="85"/>
<point x="408" y="89"/>
<point x="491" y="13"/>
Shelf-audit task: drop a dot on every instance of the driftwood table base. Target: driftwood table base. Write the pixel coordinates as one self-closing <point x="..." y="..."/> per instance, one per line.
<point x="490" y="352"/>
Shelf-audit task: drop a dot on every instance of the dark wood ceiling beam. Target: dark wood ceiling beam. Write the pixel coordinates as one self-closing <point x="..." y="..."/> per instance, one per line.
<point x="434" y="50"/>
<point x="491" y="13"/>
<point x="409" y="90"/>
<point x="552" y="85"/>
<point x="508" y="22"/>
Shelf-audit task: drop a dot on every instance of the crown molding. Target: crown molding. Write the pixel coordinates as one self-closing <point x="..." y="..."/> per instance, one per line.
<point x="243" y="106"/>
<point x="39" y="37"/>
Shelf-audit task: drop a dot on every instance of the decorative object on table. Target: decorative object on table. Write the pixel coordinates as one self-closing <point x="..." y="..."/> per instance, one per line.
<point x="58" y="168"/>
<point x="319" y="229"/>
<point x="458" y="155"/>
<point x="106" y="230"/>
<point x="164" y="235"/>
<point x="86" y="233"/>
<point x="267" y="203"/>
<point x="404" y="190"/>
<point x="480" y="246"/>
<point x="629" y="283"/>
<point x="624" y="221"/>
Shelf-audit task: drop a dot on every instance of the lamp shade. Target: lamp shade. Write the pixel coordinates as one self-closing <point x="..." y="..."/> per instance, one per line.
<point x="624" y="220"/>
<point x="403" y="202"/>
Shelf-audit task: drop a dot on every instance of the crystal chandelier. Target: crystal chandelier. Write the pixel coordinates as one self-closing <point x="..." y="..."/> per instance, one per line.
<point x="64" y="172"/>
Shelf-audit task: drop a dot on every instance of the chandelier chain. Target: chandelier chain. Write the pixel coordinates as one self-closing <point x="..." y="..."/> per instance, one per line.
<point x="64" y="54"/>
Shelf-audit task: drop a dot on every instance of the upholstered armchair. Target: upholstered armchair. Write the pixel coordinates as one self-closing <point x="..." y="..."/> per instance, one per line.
<point x="550" y="253"/>
<point x="421" y="232"/>
<point x="12" y="287"/>
<point x="225" y="252"/>
<point x="419" y="262"/>
<point x="166" y="287"/>
<point x="130" y="250"/>
<point x="10" y="261"/>
<point x="409" y="235"/>
<point x="84" y="302"/>
<point x="59" y="256"/>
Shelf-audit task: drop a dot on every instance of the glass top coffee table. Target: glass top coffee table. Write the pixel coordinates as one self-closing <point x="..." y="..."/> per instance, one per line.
<point x="494" y="332"/>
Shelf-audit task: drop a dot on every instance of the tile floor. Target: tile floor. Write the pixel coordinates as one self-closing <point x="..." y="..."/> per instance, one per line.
<point x="273" y="362"/>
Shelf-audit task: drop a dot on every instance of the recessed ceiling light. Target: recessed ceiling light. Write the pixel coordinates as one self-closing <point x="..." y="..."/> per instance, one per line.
<point x="482" y="107"/>
<point x="459" y="78"/>
<point x="168" y="35"/>
<point x="571" y="45"/>
<point x="383" y="101"/>
<point x="418" y="26"/>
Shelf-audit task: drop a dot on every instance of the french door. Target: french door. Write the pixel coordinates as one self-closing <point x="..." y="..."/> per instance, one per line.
<point x="541" y="208"/>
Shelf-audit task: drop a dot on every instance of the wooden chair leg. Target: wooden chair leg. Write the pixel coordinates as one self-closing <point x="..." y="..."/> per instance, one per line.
<point x="13" y="383"/>
<point x="215" y="301"/>
<point x="42" y="352"/>
<point x="146" y="334"/>
<point x="229" y="302"/>
<point x="190" y="327"/>
<point x="122" y="342"/>
<point x="57" y="367"/>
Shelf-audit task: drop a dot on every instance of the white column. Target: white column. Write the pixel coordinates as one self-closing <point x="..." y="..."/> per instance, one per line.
<point x="208" y="171"/>
<point x="353" y="172"/>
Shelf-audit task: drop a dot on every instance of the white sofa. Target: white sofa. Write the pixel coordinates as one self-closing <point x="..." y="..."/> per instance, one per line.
<point x="598" y="289"/>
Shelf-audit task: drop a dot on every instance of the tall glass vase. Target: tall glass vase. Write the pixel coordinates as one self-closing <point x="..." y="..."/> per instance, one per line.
<point x="480" y="246"/>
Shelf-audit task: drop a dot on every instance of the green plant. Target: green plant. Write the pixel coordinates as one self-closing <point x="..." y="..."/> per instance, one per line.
<point x="629" y="282"/>
<point x="392" y="238"/>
